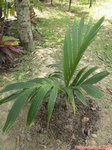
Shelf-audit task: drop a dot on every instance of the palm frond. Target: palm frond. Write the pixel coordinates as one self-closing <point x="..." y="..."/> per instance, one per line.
<point x="16" y="108"/>
<point x="93" y="91"/>
<point x="75" y="45"/>
<point x="37" y="103"/>
<point x="51" y="102"/>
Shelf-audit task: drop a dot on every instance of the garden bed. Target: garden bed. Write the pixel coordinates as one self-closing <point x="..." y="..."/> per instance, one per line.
<point x="66" y="129"/>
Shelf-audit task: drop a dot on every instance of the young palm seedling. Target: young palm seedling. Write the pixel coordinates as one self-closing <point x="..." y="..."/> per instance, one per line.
<point x="68" y="81"/>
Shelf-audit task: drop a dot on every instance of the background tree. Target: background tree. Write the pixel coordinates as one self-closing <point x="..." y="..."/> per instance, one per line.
<point x="24" y="24"/>
<point x="90" y="3"/>
<point x="0" y="12"/>
<point x="1" y="5"/>
<point x="70" y="1"/>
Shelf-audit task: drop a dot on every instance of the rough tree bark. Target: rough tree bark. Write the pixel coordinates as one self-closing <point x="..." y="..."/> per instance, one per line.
<point x="24" y="24"/>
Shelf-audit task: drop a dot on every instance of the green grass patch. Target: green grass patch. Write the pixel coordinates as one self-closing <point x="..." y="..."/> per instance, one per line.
<point x="53" y="29"/>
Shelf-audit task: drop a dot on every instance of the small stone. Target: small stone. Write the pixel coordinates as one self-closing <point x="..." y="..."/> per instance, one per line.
<point x="85" y="119"/>
<point x="73" y="137"/>
<point x="94" y="135"/>
<point x="70" y="127"/>
<point x="93" y="108"/>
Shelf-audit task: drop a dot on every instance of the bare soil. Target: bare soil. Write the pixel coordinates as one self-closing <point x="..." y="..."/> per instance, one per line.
<point x="66" y="128"/>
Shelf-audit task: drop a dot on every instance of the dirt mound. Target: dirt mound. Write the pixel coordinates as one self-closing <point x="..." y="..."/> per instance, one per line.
<point x="66" y="128"/>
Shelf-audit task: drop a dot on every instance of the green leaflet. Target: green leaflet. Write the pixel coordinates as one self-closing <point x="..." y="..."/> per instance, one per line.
<point x="88" y="27"/>
<point x="18" y="86"/>
<point x="67" y="57"/>
<point x="86" y="75"/>
<point x="24" y="85"/>
<point x="37" y="102"/>
<point x="16" y="108"/>
<point x="70" y="94"/>
<point x="78" y="76"/>
<point x="56" y="74"/>
<point x="76" y="44"/>
<point x="89" y="37"/>
<point x="80" y="96"/>
<point x="96" y="78"/>
<point x="51" y="102"/>
<point x="10" y="98"/>
<point x="75" y="37"/>
<point x="93" y="91"/>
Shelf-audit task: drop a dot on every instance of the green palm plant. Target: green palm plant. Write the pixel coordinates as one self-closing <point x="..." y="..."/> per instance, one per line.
<point x="69" y="81"/>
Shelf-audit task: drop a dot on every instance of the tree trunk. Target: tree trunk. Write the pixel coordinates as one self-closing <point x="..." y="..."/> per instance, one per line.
<point x="69" y="8"/>
<point x="51" y="2"/>
<point x="24" y="24"/>
<point x="0" y="12"/>
<point x="90" y="3"/>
